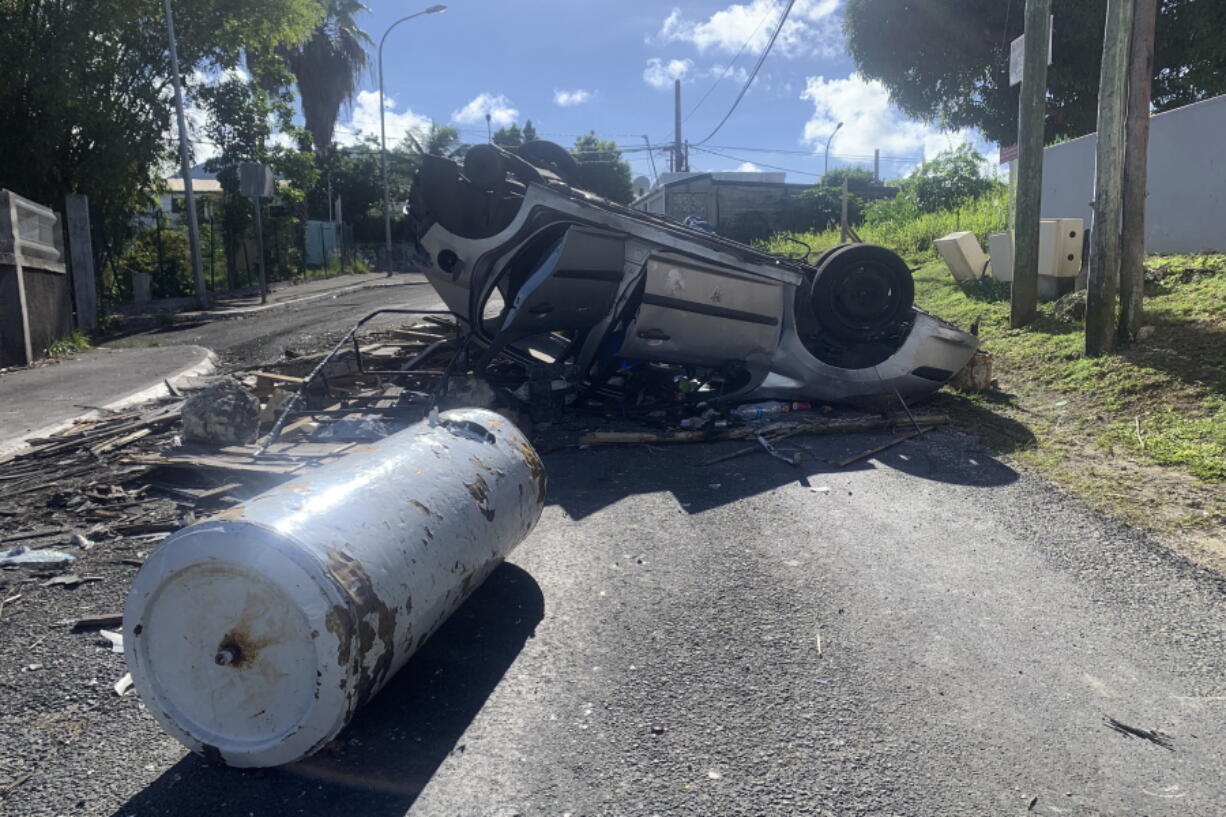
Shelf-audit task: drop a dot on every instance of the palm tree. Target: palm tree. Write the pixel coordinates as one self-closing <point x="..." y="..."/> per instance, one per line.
<point x="437" y="140"/>
<point x="327" y="68"/>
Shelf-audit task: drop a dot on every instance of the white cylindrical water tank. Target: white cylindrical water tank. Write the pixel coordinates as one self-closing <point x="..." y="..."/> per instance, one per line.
<point x="254" y="636"/>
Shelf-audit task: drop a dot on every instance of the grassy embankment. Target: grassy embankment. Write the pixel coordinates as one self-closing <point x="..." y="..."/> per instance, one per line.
<point x="1140" y="434"/>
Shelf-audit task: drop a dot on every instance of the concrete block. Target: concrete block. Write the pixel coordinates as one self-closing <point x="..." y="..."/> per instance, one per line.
<point x="962" y="254"/>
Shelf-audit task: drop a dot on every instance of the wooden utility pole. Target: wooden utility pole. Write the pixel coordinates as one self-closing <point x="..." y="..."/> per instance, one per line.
<point x="1136" y="167"/>
<point x="1030" y="121"/>
<point x="843" y="219"/>
<point x="1104" y="270"/>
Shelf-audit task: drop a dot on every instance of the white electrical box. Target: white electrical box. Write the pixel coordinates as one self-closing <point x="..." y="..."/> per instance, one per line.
<point x="963" y="255"/>
<point x="1060" y="247"/>
<point x="1000" y="248"/>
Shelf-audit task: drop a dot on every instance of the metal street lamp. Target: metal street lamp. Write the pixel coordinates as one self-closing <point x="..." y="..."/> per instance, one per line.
<point x="387" y="207"/>
<point x="828" y="141"/>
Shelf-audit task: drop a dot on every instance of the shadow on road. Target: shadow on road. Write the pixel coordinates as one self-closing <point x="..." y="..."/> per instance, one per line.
<point x="381" y="762"/>
<point x="584" y="481"/>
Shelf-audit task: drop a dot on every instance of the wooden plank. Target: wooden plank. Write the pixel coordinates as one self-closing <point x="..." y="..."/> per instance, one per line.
<point x="120" y="442"/>
<point x="220" y="463"/>
<point x="278" y="377"/>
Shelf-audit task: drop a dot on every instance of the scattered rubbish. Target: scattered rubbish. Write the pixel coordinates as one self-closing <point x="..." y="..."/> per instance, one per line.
<point x="95" y="622"/>
<point x="32" y="668"/>
<point x="820" y="489"/>
<point x="9" y="600"/>
<point x="752" y="412"/>
<point x="658" y="729"/>
<point x="473" y="487"/>
<point x="770" y="449"/>
<point x="1145" y="333"/>
<point x="819" y="645"/>
<point x="114" y="639"/>
<point x="23" y="556"/>
<point x="12" y="787"/>
<point x="773" y="432"/>
<point x="70" y="580"/>
<point x="355" y="428"/>
<point x="975" y="375"/>
<point x="80" y="540"/>
<point x="32" y="534"/>
<point x="878" y="449"/>
<point x="123" y="685"/>
<point x="223" y="413"/>
<point x="713" y="775"/>
<point x="1154" y="737"/>
<point x="1030" y="803"/>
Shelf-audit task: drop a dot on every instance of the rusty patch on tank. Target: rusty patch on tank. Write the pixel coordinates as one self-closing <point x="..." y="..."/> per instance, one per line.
<point x="477" y="461"/>
<point x="537" y="468"/>
<point x="375" y="623"/>
<point x="298" y="487"/>
<point x="236" y="512"/>
<point x="480" y="492"/>
<point x="239" y="649"/>
<point x="419" y="506"/>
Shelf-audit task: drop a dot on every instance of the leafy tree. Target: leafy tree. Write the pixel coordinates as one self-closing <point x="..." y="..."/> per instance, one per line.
<point x="602" y="169"/>
<point x="327" y="68"/>
<point x="436" y="140"/>
<point x="530" y="132"/>
<point x="88" y="84"/>
<point x="857" y="177"/>
<point x="509" y="138"/>
<point x="948" y="60"/>
<point x="953" y="177"/>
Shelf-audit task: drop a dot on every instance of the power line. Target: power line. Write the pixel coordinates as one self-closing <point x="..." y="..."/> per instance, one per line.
<point x="728" y="67"/>
<point x="752" y="74"/>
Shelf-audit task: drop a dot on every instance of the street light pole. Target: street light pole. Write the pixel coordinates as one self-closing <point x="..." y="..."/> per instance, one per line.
<point x="185" y="166"/>
<point x="387" y="207"/>
<point x="828" y="141"/>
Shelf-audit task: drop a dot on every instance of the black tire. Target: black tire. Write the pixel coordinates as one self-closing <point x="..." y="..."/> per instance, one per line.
<point x="552" y="157"/>
<point x="861" y="291"/>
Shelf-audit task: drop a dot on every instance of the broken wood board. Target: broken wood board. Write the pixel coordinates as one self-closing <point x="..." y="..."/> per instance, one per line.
<point x="823" y="426"/>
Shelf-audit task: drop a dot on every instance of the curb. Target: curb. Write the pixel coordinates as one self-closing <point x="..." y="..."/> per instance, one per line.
<point x="17" y="445"/>
<point x="242" y="312"/>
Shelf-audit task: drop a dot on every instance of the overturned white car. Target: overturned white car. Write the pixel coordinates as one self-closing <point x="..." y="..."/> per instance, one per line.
<point x="563" y="281"/>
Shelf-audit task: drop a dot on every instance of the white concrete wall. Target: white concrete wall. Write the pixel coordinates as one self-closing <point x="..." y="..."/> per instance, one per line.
<point x="1186" y="208"/>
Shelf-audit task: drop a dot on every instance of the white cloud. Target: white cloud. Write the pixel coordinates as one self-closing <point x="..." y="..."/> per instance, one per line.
<point x="661" y="74"/>
<point x="499" y="108"/>
<point x="869" y="121"/>
<point x="812" y="28"/>
<point x="568" y="98"/>
<point x="748" y="167"/>
<point x="364" y="120"/>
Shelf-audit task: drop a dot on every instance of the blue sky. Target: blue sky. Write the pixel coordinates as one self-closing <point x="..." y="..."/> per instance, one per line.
<point x="608" y="65"/>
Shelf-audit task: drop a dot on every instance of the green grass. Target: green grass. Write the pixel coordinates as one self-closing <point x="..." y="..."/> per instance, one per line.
<point x="1141" y="433"/>
<point x="72" y="343"/>
<point x="913" y="238"/>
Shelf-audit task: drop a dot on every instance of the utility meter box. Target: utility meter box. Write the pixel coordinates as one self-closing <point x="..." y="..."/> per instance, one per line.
<point x="1060" y="247"/>
<point x="1000" y="248"/>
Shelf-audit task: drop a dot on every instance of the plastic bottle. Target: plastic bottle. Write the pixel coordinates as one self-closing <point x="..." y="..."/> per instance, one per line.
<point x="763" y="411"/>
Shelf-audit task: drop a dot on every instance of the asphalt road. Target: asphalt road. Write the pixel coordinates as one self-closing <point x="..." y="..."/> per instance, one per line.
<point x="927" y="633"/>
<point x="265" y="336"/>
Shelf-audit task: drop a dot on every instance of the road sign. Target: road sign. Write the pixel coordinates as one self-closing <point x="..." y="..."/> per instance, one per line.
<point x="1017" y="48"/>
<point x="1008" y="153"/>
